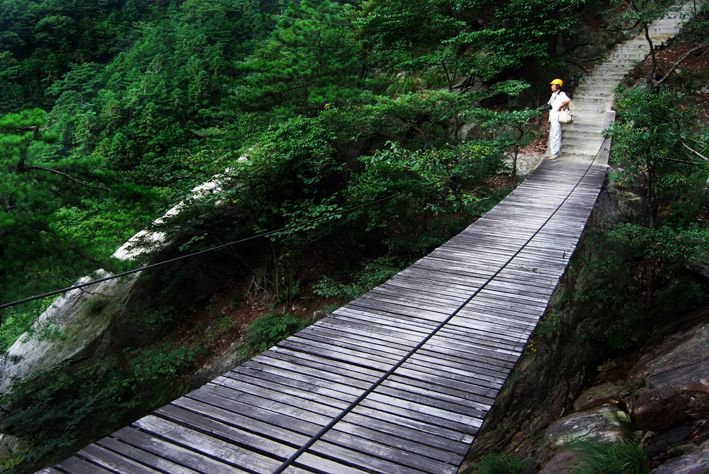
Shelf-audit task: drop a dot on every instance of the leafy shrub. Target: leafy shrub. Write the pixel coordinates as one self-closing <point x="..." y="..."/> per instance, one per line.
<point x="55" y="408"/>
<point x="158" y="363"/>
<point x="268" y="330"/>
<point x="374" y="273"/>
<point x="497" y="463"/>
<point x="617" y="458"/>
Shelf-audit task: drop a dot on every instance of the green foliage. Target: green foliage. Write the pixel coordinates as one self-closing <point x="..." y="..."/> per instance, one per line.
<point x="73" y="400"/>
<point x="637" y="281"/>
<point x="155" y="320"/>
<point x="269" y="330"/>
<point x="498" y="463"/>
<point x="161" y="363"/>
<point x="55" y="411"/>
<point x="329" y="101"/>
<point x="649" y="148"/>
<point x="310" y="61"/>
<point x="625" y="457"/>
<point x="374" y="273"/>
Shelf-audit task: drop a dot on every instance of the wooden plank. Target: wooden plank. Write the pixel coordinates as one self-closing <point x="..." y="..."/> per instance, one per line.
<point x="359" y="459"/>
<point x="352" y="371"/>
<point x="112" y="461"/>
<point x="232" y="418"/>
<point x="367" y="302"/>
<point x="473" y="368"/>
<point x="423" y="398"/>
<point x="131" y="452"/>
<point x="274" y="390"/>
<point x="337" y="353"/>
<point x="354" y="342"/>
<point x="441" y="446"/>
<point x="294" y="379"/>
<point x="193" y="460"/>
<point x="76" y="465"/>
<point x="388" y="320"/>
<point x="231" y="434"/>
<point x="377" y="332"/>
<point x="437" y="383"/>
<point x="240" y="459"/>
<point x="439" y="416"/>
<point x="280" y="361"/>
<point x="279" y="415"/>
<point x="487" y="385"/>
<point x="257" y="395"/>
<point x="323" y="465"/>
<point x="385" y="451"/>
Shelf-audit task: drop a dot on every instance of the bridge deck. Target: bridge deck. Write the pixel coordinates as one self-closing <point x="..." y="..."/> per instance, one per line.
<point x="400" y="379"/>
<point x="404" y="375"/>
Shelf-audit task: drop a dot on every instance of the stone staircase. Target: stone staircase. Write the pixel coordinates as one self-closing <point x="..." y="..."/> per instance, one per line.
<point x="593" y="98"/>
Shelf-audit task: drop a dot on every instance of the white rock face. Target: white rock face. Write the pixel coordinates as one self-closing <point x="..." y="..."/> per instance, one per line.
<point x="75" y="313"/>
<point x="147" y="241"/>
<point x="82" y="326"/>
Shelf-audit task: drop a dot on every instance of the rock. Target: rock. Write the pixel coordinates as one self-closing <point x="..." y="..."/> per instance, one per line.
<point x="676" y="382"/>
<point x="607" y="393"/>
<point x="467" y="131"/>
<point x="661" y="446"/>
<point x="615" y="205"/>
<point x="11" y="445"/>
<point x="694" y="462"/>
<point x="72" y="328"/>
<point x="699" y="267"/>
<point x="600" y="424"/>
<point x="561" y="463"/>
<point x="216" y="366"/>
<point x="526" y="162"/>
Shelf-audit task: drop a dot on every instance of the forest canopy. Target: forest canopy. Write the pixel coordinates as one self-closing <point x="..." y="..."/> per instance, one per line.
<point x="114" y="109"/>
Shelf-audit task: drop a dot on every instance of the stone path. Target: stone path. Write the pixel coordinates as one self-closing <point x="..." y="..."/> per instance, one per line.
<point x="593" y="97"/>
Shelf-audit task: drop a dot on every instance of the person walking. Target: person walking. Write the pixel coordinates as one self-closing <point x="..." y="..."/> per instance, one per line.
<point x="558" y="101"/>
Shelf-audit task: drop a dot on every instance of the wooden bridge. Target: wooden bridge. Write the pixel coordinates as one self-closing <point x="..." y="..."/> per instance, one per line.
<point x="399" y="380"/>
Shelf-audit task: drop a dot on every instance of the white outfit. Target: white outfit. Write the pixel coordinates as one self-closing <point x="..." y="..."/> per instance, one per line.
<point x="556" y="101"/>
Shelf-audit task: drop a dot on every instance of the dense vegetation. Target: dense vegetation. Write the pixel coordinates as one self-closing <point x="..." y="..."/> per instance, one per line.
<point x="369" y="131"/>
<point x="114" y="110"/>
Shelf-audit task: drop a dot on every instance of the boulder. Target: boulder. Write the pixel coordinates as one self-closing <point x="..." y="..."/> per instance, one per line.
<point x="562" y="463"/>
<point x="600" y="424"/>
<point x="71" y="329"/>
<point x="676" y="379"/>
<point x="604" y="394"/>
<point x="695" y="461"/>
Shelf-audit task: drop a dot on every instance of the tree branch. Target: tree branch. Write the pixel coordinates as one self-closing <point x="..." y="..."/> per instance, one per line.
<point x="680" y="61"/>
<point x="695" y="152"/>
<point x="66" y="175"/>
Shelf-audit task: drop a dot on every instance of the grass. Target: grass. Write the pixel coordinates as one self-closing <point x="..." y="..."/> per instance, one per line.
<point x="626" y="457"/>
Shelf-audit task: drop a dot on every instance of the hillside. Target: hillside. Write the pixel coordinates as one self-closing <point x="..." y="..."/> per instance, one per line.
<point x="366" y="132"/>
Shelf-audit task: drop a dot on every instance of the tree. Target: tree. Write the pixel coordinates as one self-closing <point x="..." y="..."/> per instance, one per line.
<point x="650" y="145"/>
<point x="310" y="60"/>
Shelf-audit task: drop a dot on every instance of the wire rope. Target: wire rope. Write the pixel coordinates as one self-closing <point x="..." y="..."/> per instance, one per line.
<point x="317" y="436"/>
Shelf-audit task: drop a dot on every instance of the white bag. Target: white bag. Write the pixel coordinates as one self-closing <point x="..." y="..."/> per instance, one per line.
<point x="565" y="116"/>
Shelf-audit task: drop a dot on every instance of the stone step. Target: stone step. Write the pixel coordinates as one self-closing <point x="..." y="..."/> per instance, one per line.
<point x="580" y="106"/>
<point x="578" y="98"/>
<point x="573" y="143"/>
<point x="594" y="96"/>
<point x="578" y="126"/>
<point x="574" y="137"/>
<point x="619" y="72"/>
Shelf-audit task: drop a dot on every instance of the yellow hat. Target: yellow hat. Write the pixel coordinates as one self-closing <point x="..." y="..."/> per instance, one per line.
<point x="558" y="82"/>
